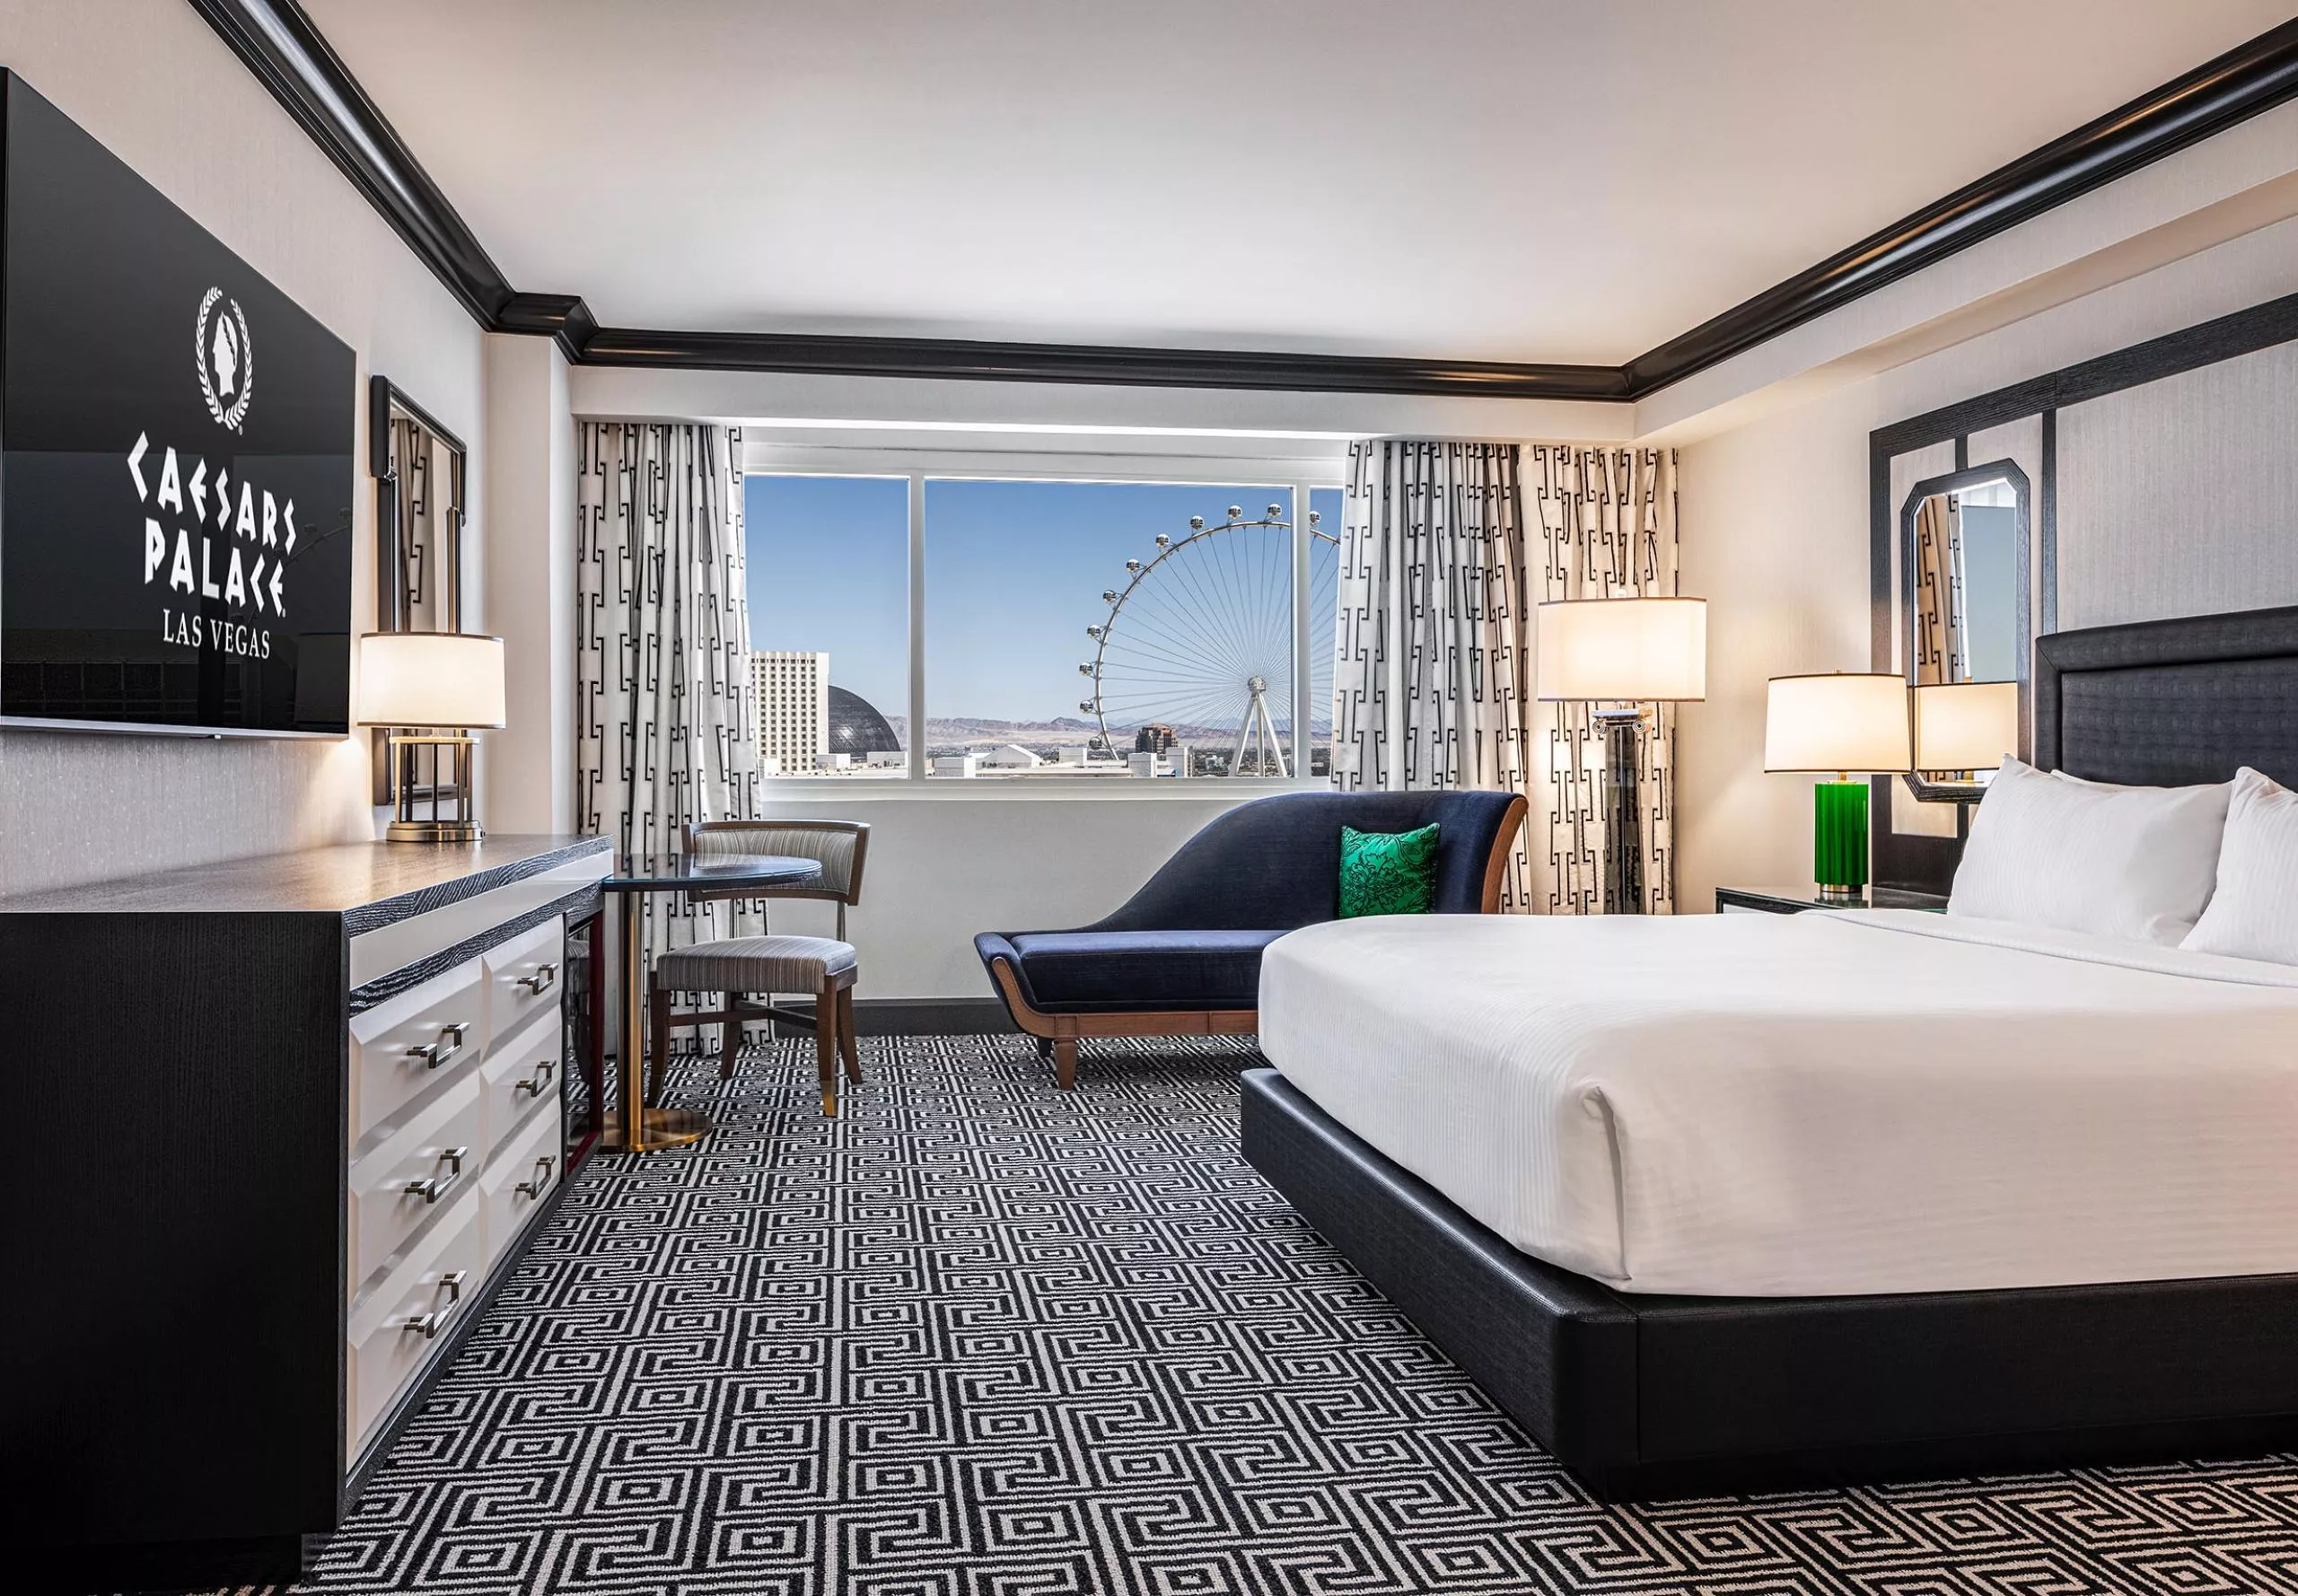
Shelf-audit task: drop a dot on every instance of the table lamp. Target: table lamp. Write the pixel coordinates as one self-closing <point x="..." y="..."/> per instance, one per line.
<point x="1961" y="729"/>
<point x="1623" y="655"/>
<point x="431" y="689"/>
<point x="1841" y="725"/>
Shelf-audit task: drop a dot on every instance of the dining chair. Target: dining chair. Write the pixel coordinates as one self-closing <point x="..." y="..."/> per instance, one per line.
<point x="736" y="968"/>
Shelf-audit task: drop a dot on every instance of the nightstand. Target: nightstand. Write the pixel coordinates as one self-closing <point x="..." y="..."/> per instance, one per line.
<point x="1739" y="901"/>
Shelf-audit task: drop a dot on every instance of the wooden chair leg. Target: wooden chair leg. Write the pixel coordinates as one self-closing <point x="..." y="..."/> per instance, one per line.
<point x="826" y="1046"/>
<point x="846" y="1045"/>
<point x="730" y="1041"/>
<point x="659" y="1001"/>
<point x="1064" y="1062"/>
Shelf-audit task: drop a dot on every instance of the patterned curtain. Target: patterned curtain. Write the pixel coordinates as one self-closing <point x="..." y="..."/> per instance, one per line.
<point x="1607" y="520"/>
<point x="664" y="732"/>
<point x="1429" y="670"/>
<point x="1938" y="646"/>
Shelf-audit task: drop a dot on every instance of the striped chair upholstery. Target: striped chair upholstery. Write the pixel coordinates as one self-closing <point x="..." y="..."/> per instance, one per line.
<point x="839" y="847"/>
<point x="754" y="964"/>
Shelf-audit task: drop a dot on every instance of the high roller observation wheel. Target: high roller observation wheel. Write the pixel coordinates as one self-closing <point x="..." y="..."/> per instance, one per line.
<point x="1200" y="639"/>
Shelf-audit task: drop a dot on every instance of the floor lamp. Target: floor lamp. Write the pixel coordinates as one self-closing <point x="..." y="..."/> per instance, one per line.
<point x="1623" y="655"/>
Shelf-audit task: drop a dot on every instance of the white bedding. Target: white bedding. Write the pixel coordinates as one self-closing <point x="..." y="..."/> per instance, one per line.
<point x="1804" y="1105"/>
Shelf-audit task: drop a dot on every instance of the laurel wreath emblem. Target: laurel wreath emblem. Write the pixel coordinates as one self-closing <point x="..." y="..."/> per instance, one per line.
<point x="236" y="411"/>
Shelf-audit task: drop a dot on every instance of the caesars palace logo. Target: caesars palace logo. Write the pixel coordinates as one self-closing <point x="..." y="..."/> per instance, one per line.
<point x="220" y="545"/>
<point x="226" y="360"/>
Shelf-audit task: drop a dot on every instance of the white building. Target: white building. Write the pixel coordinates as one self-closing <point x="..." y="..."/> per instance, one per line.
<point x="792" y="707"/>
<point x="1008" y="756"/>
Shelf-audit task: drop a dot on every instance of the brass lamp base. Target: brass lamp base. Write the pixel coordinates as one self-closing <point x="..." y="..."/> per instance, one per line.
<point x="434" y="831"/>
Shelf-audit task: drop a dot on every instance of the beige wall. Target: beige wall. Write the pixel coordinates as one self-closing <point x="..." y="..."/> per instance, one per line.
<point x="153" y="83"/>
<point x="1774" y="518"/>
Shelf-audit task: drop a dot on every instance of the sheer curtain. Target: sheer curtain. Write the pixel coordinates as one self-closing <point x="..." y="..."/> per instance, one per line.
<point x="664" y="732"/>
<point x="1605" y="519"/>
<point x="1430" y="668"/>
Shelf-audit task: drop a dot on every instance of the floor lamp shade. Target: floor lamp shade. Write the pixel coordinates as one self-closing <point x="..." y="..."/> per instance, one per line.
<point x="432" y="688"/>
<point x="1627" y="652"/>
<point x="1839" y="724"/>
<point x="1634" y="651"/>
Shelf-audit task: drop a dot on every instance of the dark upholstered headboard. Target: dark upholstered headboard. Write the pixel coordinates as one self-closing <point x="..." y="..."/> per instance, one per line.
<point x="2167" y="703"/>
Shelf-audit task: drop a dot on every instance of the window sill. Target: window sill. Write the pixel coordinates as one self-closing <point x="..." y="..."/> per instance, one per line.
<point x="1086" y="789"/>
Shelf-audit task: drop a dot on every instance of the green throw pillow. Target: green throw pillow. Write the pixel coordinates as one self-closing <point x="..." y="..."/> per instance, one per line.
<point x="1387" y="873"/>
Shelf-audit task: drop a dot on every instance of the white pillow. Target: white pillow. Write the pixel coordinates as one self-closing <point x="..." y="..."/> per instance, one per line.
<point x="2137" y="863"/>
<point x="2254" y="912"/>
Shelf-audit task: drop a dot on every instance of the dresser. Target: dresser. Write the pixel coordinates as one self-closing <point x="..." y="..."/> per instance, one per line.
<point x="279" y="1128"/>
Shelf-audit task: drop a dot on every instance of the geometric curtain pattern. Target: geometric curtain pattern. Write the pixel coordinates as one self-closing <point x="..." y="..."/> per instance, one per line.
<point x="977" y="1337"/>
<point x="665" y="732"/>
<point x="1938" y="646"/>
<point x="1605" y="522"/>
<point x="1431" y="677"/>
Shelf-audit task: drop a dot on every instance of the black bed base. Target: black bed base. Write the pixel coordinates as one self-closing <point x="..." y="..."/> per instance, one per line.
<point x="1644" y="1396"/>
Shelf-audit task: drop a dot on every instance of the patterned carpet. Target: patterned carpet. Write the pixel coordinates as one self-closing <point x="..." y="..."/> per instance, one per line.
<point x="982" y="1336"/>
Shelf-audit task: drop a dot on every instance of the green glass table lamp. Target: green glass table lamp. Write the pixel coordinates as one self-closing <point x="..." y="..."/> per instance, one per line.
<point x="1845" y="726"/>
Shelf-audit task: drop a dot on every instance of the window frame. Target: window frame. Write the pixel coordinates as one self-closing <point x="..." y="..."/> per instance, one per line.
<point x="1299" y="474"/>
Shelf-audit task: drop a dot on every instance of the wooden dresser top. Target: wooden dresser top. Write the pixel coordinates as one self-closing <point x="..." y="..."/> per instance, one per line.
<point x="370" y="884"/>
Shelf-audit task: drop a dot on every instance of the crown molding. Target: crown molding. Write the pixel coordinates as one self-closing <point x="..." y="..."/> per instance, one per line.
<point x="289" y="55"/>
<point x="965" y="358"/>
<point x="2252" y="77"/>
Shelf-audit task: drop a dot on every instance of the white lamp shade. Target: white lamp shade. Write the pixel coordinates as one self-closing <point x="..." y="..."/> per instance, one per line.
<point x="1842" y="723"/>
<point x="1966" y="725"/>
<point x="448" y="680"/>
<point x="1630" y="650"/>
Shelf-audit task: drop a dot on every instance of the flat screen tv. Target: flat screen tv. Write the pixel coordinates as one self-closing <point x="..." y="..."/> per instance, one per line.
<point x="176" y="462"/>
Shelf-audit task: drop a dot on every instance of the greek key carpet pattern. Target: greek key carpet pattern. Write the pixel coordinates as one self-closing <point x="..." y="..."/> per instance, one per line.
<point x="982" y="1338"/>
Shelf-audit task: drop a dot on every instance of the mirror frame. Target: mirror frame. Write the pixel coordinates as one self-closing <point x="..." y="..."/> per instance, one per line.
<point x="2023" y="598"/>
<point x="386" y="401"/>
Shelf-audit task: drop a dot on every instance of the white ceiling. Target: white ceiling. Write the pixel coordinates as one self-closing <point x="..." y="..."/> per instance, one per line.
<point x="1514" y="180"/>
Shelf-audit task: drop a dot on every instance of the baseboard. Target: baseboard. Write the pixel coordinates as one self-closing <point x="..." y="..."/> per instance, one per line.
<point x="919" y="1016"/>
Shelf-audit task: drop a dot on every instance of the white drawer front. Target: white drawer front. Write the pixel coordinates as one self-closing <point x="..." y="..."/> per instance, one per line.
<point x="521" y="1175"/>
<point x="521" y="1073"/>
<point x="524" y="977"/>
<point x="403" y="1048"/>
<point x="398" y="1184"/>
<point x="386" y="1341"/>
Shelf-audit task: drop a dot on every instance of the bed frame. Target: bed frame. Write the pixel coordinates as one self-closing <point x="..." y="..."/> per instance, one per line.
<point x="1645" y="1396"/>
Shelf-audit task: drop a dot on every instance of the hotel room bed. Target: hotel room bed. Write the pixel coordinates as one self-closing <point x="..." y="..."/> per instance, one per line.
<point x="1812" y="1105"/>
<point x="1763" y="1200"/>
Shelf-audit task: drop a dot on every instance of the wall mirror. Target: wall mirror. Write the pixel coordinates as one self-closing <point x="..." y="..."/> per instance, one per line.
<point x="419" y="471"/>
<point x="1964" y="617"/>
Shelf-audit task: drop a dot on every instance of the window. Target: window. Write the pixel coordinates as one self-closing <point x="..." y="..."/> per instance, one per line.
<point x="1091" y="631"/>
<point x="829" y="571"/>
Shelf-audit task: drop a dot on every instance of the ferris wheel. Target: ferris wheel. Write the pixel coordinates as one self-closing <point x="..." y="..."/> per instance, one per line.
<point x="1199" y="640"/>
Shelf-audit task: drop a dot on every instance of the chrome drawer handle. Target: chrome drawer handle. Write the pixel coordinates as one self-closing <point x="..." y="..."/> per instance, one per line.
<point x="429" y="1324"/>
<point x="450" y="1043"/>
<point x="534" y="1187"/>
<point x="539" y="1082"/>
<point x="545" y="977"/>
<point x="432" y="1189"/>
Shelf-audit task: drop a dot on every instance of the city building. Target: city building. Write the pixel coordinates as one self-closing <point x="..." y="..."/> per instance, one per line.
<point x="858" y="729"/>
<point x="793" y="724"/>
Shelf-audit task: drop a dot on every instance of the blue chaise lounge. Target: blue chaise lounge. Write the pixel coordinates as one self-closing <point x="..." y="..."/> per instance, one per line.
<point x="1182" y="956"/>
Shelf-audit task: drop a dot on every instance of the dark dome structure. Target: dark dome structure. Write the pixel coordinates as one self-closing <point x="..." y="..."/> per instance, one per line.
<point x="856" y="728"/>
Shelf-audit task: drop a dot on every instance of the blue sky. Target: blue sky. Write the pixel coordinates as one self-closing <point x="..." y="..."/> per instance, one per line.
<point x="1015" y="572"/>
